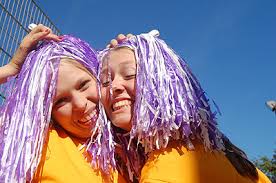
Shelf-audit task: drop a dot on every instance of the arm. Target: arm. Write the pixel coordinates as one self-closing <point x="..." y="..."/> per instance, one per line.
<point x="28" y="43"/>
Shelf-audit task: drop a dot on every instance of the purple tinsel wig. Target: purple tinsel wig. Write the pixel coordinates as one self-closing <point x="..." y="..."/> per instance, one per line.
<point x="170" y="103"/>
<point x="25" y="116"/>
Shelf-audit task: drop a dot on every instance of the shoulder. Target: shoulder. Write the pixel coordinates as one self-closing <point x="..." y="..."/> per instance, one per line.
<point x="178" y="164"/>
<point x="262" y="177"/>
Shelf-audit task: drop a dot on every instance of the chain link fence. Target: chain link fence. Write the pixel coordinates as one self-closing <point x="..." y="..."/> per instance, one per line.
<point x="15" y="16"/>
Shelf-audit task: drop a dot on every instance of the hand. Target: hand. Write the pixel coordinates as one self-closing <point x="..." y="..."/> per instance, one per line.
<point x="120" y="38"/>
<point x="39" y="33"/>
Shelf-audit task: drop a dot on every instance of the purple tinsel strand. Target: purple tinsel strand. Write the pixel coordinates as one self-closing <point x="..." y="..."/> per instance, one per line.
<point x="25" y="116"/>
<point x="170" y="103"/>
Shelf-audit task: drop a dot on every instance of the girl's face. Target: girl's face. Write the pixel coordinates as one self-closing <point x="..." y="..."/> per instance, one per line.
<point x="75" y="104"/>
<point x="121" y="64"/>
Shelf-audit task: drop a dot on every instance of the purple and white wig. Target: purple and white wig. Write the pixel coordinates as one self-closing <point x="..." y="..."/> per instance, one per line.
<point x="170" y="103"/>
<point x="26" y="114"/>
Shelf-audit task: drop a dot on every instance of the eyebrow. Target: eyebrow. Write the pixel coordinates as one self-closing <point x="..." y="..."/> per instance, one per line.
<point x="79" y="82"/>
<point x="77" y="86"/>
<point x="126" y="62"/>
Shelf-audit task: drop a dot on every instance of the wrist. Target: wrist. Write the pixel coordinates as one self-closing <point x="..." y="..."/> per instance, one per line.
<point x="19" y="57"/>
<point x="23" y="49"/>
<point x="13" y="67"/>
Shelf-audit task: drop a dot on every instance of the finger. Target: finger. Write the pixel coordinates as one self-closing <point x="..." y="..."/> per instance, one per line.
<point x="40" y="28"/>
<point x="35" y="38"/>
<point x="129" y="36"/>
<point x="53" y="37"/>
<point x="46" y="36"/>
<point x="108" y="46"/>
<point x="120" y="38"/>
<point x="113" y="43"/>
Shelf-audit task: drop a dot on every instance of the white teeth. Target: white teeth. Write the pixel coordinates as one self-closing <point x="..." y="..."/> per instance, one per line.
<point x="120" y="104"/>
<point x="91" y="116"/>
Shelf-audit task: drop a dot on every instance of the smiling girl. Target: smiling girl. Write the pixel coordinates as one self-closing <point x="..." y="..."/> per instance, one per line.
<point x="149" y="91"/>
<point x="52" y="127"/>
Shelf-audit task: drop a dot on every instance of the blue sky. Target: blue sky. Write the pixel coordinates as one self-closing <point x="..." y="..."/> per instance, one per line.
<point x="230" y="46"/>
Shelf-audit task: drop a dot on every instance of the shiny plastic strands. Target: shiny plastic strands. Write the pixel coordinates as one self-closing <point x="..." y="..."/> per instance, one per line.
<point x="25" y="116"/>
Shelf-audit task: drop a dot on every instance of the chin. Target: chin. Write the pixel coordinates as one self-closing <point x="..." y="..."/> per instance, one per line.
<point x="83" y="134"/>
<point x="122" y="123"/>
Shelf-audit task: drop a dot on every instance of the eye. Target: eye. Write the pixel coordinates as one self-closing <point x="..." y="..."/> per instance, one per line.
<point x="105" y="83"/>
<point x="61" y="102"/>
<point x="84" y="85"/>
<point x="130" y="76"/>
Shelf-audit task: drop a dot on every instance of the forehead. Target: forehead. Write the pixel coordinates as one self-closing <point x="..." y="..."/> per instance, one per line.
<point x="70" y="75"/>
<point x="72" y="65"/>
<point x="67" y="67"/>
<point x="70" y="70"/>
<point x="118" y="57"/>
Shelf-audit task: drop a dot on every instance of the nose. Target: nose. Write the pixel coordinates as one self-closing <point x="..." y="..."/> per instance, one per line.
<point x="117" y="86"/>
<point x="79" y="102"/>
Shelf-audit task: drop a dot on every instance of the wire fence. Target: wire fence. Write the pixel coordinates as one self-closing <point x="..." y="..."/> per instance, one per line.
<point x="15" y="16"/>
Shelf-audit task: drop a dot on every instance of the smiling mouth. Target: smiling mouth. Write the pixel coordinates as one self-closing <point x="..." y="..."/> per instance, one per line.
<point x="121" y="104"/>
<point x="90" y="118"/>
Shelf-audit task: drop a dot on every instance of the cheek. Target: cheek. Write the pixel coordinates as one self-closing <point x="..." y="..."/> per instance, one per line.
<point x="62" y="114"/>
<point x="104" y="96"/>
<point x="132" y="87"/>
<point x="93" y="94"/>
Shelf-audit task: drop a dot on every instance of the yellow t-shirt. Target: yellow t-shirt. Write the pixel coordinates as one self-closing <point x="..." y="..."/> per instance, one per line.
<point x="63" y="162"/>
<point x="176" y="164"/>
